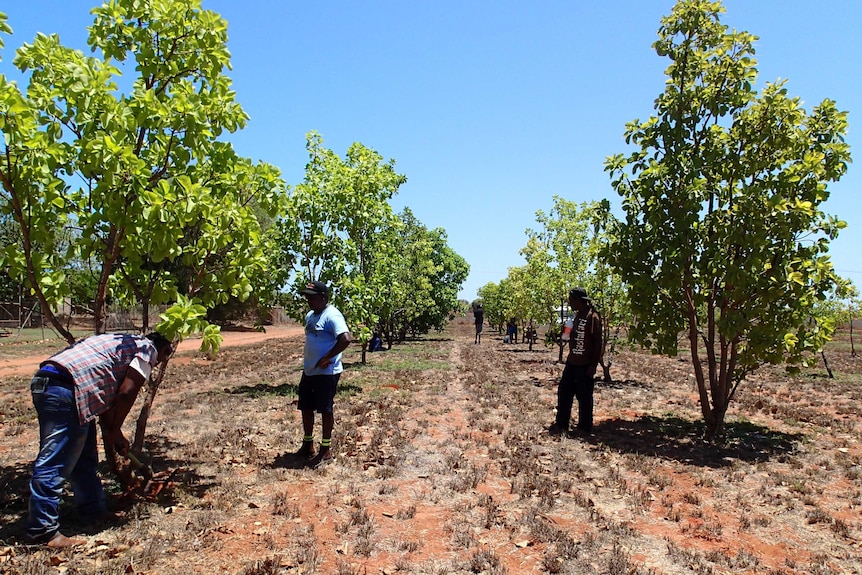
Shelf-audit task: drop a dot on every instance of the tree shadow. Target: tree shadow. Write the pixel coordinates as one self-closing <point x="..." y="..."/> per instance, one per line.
<point x="529" y="360"/>
<point x="417" y="339"/>
<point x="265" y="389"/>
<point x="685" y="441"/>
<point x="181" y="471"/>
<point x="286" y="390"/>
<point x="622" y="384"/>
<point x="230" y="326"/>
<point x="15" y="496"/>
<point x="525" y="350"/>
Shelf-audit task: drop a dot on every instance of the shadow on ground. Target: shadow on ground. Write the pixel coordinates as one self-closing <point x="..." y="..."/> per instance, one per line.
<point x="14" y="497"/>
<point x="685" y="441"/>
<point x="285" y="390"/>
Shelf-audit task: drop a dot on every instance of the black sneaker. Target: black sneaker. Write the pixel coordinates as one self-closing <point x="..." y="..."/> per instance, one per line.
<point x="323" y="457"/>
<point x="306" y="451"/>
<point x="580" y="433"/>
<point x="557" y="429"/>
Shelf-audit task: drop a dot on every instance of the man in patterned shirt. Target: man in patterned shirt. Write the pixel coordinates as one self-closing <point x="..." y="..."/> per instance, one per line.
<point x="99" y="376"/>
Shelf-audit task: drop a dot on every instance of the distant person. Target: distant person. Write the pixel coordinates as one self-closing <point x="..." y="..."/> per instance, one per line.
<point x="326" y="336"/>
<point x="530" y="335"/>
<point x="99" y="376"/>
<point x="479" y="318"/>
<point x="375" y="344"/>
<point x="512" y="331"/>
<point x="577" y="381"/>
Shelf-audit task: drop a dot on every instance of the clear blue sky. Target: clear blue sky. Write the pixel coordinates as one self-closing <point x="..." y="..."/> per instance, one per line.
<point x="490" y="108"/>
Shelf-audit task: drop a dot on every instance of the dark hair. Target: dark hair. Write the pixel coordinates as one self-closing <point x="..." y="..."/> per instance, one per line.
<point x="160" y="341"/>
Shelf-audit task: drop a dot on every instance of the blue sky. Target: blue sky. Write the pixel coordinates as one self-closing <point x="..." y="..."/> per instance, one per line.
<point x="490" y="108"/>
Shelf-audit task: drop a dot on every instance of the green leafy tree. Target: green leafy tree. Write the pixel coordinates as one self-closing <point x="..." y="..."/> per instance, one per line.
<point x="9" y="238"/>
<point x="567" y="251"/>
<point x="149" y="161"/>
<point x="523" y="284"/>
<point x="838" y="308"/>
<point x="335" y="217"/>
<point x="33" y="196"/>
<point x="310" y="245"/>
<point x="409" y="254"/>
<point x="391" y="273"/>
<point x="853" y="305"/>
<point x="543" y="282"/>
<point x="445" y="275"/>
<point x="418" y="278"/>
<point x="368" y="184"/>
<point x="497" y="298"/>
<point x="140" y="181"/>
<point x="391" y="264"/>
<point x="723" y="238"/>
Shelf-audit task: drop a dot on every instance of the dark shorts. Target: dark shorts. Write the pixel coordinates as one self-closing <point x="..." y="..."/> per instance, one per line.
<point x="317" y="392"/>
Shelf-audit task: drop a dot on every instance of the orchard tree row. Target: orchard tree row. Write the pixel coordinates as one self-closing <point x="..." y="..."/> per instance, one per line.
<point x="126" y="189"/>
<point x="722" y="248"/>
<point x="391" y="273"/>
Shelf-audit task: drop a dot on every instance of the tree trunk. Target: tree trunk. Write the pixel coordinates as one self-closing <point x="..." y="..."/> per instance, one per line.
<point x="609" y="348"/>
<point x="145" y="315"/>
<point x="715" y="423"/>
<point x="705" y="405"/>
<point x="45" y="309"/>
<point x="100" y="301"/>
<point x="47" y="312"/>
<point x="606" y="373"/>
<point x="826" y="363"/>
<point x="143" y="417"/>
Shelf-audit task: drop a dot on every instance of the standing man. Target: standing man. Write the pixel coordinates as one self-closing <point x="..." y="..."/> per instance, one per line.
<point x="99" y="376"/>
<point x="479" y="318"/>
<point x="326" y="336"/>
<point x="585" y="351"/>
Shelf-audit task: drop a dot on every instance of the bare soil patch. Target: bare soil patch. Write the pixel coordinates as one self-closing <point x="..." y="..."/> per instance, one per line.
<point x="443" y="466"/>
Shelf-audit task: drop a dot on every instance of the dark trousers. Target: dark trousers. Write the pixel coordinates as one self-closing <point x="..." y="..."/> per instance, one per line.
<point x="575" y="383"/>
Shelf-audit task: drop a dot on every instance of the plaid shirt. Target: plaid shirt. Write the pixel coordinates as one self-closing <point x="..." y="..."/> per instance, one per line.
<point x="98" y="366"/>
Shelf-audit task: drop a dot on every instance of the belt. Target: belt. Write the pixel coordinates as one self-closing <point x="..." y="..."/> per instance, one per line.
<point x="55" y="378"/>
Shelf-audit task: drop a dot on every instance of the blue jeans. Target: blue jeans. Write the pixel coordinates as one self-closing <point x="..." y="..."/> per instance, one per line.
<point x="67" y="451"/>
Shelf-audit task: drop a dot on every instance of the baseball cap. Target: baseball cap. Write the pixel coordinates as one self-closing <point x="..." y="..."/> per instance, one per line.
<point x="580" y="293"/>
<point x="315" y="288"/>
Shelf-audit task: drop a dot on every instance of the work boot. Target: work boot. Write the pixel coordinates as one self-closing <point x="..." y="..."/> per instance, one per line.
<point x="306" y="451"/>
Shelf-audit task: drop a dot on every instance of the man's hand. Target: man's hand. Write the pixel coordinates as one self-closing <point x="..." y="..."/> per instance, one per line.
<point x="118" y="441"/>
<point x="341" y="344"/>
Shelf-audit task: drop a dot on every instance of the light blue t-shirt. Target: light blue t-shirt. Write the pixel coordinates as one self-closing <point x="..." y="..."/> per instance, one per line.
<point x="321" y="333"/>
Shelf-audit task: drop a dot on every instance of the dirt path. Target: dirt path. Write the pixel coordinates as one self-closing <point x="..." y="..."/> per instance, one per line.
<point x="28" y="365"/>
